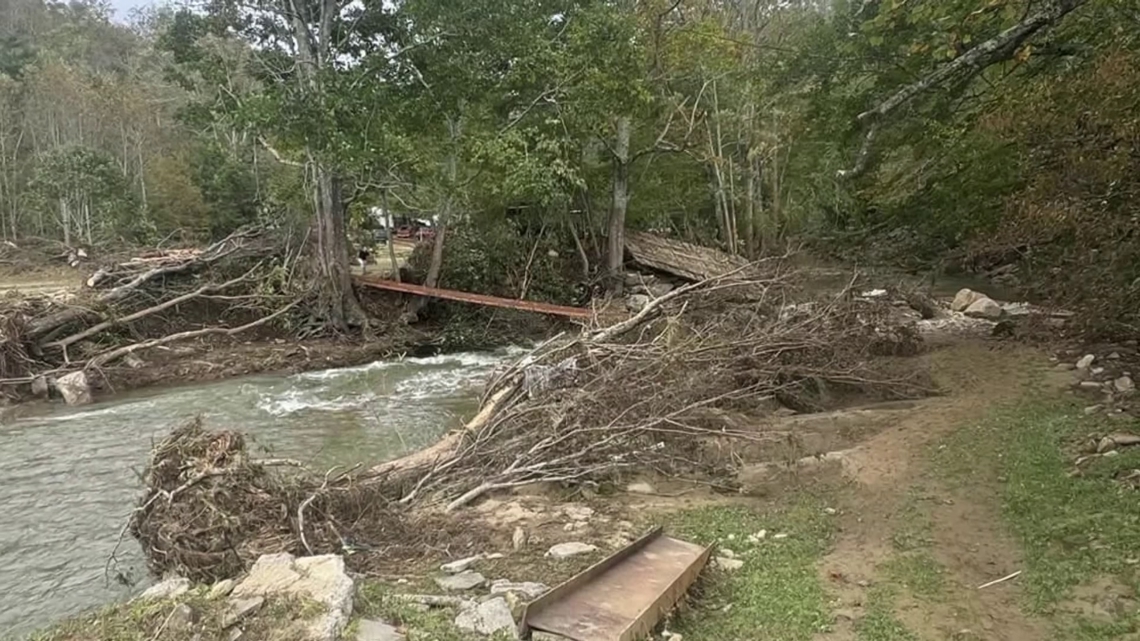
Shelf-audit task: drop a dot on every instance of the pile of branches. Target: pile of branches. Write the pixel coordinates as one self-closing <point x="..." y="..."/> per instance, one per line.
<point x="89" y="331"/>
<point x="211" y="509"/>
<point x="652" y="393"/>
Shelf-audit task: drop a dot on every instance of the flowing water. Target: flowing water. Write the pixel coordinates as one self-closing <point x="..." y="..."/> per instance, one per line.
<point x="68" y="475"/>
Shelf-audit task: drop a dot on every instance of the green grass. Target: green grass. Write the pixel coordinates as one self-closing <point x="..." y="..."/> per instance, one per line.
<point x="374" y="601"/>
<point x="1074" y="530"/>
<point x="916" y="572"/>
<point x="880" y="624"/>
<point x="777" y="594"/>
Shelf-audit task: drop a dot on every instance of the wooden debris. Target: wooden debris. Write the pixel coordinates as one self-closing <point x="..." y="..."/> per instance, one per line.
<point x="681" y="259"/>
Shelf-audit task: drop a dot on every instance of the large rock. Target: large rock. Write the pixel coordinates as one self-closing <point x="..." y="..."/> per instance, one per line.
<point x="74" y="388"/>
<point x="985" y="308"/>
<point x="321" y="579"/>
<point x="488" y="618"/>
<point x="964" y="298"/>
<point x="171" y="588"/>
<point x="567" y="550"/>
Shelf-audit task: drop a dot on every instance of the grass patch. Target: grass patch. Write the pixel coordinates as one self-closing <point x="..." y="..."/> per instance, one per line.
<point x="880" y="623"/>
<point x="278" y="620"/>
<point x="1074" y="530"/>
<point x="777" y="593"/>
<point x="374" y="601"/>
<point x="917" y="572"/>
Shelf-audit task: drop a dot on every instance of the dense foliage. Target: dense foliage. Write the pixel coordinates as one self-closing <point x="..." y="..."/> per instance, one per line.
<point x="730" y="123"/>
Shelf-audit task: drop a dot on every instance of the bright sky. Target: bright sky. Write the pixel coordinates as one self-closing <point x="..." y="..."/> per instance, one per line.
<point x="123" y="8"/>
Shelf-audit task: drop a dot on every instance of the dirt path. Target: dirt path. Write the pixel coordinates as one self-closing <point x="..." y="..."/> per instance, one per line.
<point x="911" y="551"/>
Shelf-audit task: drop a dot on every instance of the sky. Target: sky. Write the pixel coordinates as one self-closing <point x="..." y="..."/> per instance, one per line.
<point x="123" y="8"/>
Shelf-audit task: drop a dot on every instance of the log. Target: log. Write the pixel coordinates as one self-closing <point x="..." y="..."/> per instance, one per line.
<point x="681" y="259"/>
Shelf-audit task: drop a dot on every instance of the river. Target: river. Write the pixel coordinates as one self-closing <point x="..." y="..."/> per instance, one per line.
<point x="68" y="476"/>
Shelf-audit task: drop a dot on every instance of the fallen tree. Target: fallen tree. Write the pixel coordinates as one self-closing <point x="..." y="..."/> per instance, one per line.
<point x="647" y="394"/>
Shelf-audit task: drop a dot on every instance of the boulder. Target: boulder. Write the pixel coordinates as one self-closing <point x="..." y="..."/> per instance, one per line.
<point x="488" y="618"/>
<point x="567" y="550"/>
<point x="964" y="298"/>
<point x="74" y="388"/>
<point x="171" y="588"/>
<point x="984" y="308"/>
<point x="463" y="581"/>
<point x="321" y="579"/>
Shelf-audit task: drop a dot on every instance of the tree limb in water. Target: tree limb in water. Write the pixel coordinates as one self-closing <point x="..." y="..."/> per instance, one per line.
<point x="1000" y="48"/>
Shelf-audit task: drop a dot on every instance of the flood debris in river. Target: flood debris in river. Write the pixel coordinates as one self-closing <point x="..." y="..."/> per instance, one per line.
<point x="669" y="391"/>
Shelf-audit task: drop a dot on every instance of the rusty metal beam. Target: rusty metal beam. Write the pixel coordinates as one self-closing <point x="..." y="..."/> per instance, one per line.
<point x="476" y="299"/>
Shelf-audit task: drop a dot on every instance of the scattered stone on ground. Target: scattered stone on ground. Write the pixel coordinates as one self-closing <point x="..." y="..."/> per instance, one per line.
<point x="637" y="302"/>
<point x="455" y="567"/>
<point x="1093" y="409"/>
<point x="74" y="388"/>
<point x="1016" y="310"/>
<point x="321" y="579"/>
<point x="1124" y="385"/>
<point x="518" y="539"/>
<point x="758" y="536"/>
<point x="182" y="618"/>
<point x="239" y="609"/>
<point x="222" y="588"/>
<point x="488" y="618"/>
<point x="660" y="289"/>
<point x="640" y="487"/>
<point x="578" y="512"/>
<point x="370" y="630"/>
<point x="467" y="580"/>
<point x="528" y="589"/>
<point x="984" y="308"/>
<point x="235" y="634"/>
<point x="569" y="549"/>
<point x="728" y="564"/>
<point x="964" y="298"/>
<point x="727" y="553"/>
<point x="171" y="588"/>
<point x="1086" y="361"/>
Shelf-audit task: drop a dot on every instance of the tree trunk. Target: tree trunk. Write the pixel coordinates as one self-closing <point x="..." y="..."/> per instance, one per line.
<point x="615" y="248"/>
<point x="337" y="296"/>
<point x="391" y="239"/>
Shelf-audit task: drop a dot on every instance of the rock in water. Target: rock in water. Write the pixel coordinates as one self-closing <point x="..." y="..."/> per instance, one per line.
<point x="488" y="618"/>
<point x="964" y="298"/>
<point x="74" y="388"/>
<point x="318" y="578"/>
<point x="984" y="308"/>
<point x="463" y="581"/>
<point x="567" y="550"/>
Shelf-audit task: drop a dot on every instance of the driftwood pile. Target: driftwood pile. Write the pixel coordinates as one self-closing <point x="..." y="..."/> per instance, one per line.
<point x="49" y="337"/>
<point x="648" y="393"/>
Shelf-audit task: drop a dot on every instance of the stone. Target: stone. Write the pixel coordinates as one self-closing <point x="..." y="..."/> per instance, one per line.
<point x="538" y="635"/>
<point x="488" y="618"/>
<point x="1115" y="356"/>
<point x="463" y="581"/>
<point x="1124" y="385"/>
<point x="984" y="308"/>
<point x="673" y="636"/>
<point x="171" y="588"/>
<point x="567" y="550"/>
<point x="578" y="512"/>
<point x="964" y="298"/>
<point x="1066" y="367"/>
<point x="370" y="630"/>
<point x="134" y="362"/>
<point x="40" y="387"/>
<point x="222" y="588"/>
<point x="1096" y="371"/>
<point x="455" y="567"/>
<point x="1090" y="385"/>
<point x="727" y="553"/>
<point x="239" y="609"/>
<point x="1086" y="362"/>
<point x="74" y="388"/>
<point x="235" y="634"/>
<point x="640" y="488"/>
<point x="1016" y="310"/>
<point x="518" y="539"/>
<point x="637" y="302"/>
<point x="528" y="589"/>
<point x="1093" y="409"/>
<point x="728" y="565"/>
<point x="657" y="290"/>
<point x="321" y="579"/>
<point x="182" y="618"/>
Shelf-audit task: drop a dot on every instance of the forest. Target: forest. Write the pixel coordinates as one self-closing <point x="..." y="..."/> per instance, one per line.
<point x="941" y="135"/>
